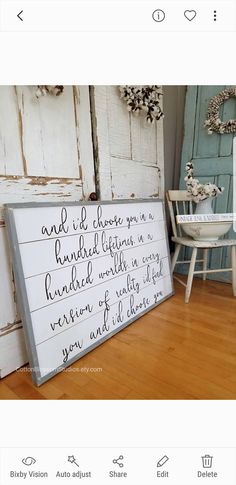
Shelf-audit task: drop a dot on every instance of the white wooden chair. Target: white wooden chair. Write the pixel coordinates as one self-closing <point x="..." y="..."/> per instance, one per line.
<point x="179" y="203"/>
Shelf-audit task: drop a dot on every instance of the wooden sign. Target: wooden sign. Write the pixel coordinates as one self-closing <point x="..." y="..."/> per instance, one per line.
<point x="84" y="271"/>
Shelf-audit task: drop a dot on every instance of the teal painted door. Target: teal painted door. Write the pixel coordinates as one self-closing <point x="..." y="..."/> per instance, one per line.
<point x="212" y="156"/>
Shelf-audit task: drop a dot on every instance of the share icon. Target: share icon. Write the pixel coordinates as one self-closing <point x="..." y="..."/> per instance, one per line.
<point x="117" y="461"/>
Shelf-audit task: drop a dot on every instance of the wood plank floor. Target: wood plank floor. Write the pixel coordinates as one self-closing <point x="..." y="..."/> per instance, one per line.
<point x="176" y="351"/>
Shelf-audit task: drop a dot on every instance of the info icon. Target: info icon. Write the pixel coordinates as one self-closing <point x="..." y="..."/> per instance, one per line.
<point x="158" y="15"/>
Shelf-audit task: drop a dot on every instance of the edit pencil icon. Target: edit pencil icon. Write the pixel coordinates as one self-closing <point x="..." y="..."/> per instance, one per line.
<point x="162" y="461"/>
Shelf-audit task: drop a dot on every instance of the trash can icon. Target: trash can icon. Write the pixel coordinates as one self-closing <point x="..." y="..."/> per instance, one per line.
<point x="207" y="461"/>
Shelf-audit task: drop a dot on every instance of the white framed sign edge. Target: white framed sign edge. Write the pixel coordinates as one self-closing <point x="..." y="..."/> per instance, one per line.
<point x="22" y="299"/>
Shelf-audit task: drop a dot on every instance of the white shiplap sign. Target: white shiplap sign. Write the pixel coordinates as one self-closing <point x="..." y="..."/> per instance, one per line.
<point x="84" y="272"/>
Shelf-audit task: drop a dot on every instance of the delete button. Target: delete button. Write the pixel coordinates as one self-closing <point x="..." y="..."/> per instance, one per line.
<point x="206" y="474"/>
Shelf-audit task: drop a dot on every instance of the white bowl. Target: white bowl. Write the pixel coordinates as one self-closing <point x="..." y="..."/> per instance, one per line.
<point x="206" y="231"/>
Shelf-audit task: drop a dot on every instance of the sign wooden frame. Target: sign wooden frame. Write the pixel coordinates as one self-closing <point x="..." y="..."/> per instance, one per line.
<point x="14" y="227"/>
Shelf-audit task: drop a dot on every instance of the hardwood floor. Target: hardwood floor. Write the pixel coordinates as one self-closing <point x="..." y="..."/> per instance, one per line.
<point x="176" y="351"/>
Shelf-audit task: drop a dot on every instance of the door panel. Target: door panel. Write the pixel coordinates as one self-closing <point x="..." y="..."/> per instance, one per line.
<point x="118" y="121"/>
<point x="41" y="121"/>
<point x="11" y="161"/>
<point x="144" y="141"/>
<point x="129" y="152"/>
<point x="212" y="156"/>
<point x="133" y="180"/>
<point x="46" y="153"/>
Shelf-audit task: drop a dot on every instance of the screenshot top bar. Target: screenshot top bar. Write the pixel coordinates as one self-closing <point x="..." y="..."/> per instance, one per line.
<point x="117" y="16"/>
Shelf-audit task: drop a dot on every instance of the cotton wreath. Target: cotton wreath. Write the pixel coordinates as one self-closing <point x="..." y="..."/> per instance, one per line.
<point x="214" y="122"/>
<point x="143" y="98"/>
<point x="198" y="191"/>
<point x="46" y="89"/>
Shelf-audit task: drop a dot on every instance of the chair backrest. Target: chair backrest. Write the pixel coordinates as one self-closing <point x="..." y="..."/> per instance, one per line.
<point x="178" y="203"/>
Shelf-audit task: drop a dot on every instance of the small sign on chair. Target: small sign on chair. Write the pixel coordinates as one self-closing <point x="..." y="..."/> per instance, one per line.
<point x="227" y="217"/>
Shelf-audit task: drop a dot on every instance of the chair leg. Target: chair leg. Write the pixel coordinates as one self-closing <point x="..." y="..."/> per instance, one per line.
<point x="190" y="275"/>
<point x="233" y="255"/>
<point x="205" y="259"/>
<point x="175" y="256"/>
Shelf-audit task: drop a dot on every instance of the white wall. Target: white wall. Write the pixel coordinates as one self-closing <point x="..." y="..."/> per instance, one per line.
<point x="174" y="104"/>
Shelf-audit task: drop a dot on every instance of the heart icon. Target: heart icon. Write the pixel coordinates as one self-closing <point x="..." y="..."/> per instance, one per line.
<point x="190" y="14"/>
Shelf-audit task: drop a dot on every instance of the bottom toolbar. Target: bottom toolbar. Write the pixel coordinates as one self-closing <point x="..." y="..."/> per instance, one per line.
<point x="132" y="466"/>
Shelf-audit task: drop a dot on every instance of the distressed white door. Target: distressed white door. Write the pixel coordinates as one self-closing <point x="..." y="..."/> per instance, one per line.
<point x="46" y="153"/>
<point x="129" y="152"/>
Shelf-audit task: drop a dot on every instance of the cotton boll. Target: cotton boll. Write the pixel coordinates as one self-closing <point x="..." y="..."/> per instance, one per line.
<point x="51" y="90"/>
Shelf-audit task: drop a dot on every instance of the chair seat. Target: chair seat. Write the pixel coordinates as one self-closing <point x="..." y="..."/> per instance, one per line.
<point x="188" y="241"/>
